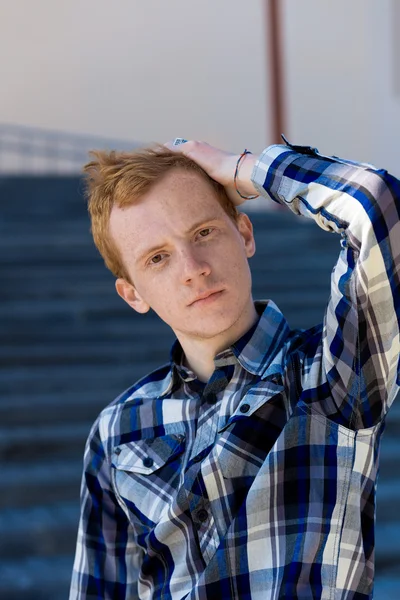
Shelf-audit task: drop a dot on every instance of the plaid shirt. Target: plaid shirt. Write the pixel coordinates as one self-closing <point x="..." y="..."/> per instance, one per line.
<point x="261" y="483"/>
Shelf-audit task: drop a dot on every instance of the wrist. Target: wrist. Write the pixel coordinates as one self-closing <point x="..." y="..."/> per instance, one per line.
<point x="243" y="178"/>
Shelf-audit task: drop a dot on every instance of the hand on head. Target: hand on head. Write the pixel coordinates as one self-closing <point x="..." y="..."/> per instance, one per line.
<point x="218" y="164"/>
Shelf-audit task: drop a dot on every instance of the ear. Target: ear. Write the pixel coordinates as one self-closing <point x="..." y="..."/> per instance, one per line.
<point x="245" y="228"/>
<point x="131" y="296"/>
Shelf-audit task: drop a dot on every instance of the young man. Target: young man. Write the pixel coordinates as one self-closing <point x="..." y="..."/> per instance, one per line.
<point x="246" y="466"/>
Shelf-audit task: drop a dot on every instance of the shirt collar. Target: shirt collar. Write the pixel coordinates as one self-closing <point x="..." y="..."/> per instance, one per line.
<point x="258" y="350"/>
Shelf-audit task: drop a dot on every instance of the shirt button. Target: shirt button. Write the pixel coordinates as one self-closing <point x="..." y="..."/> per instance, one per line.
<point x="117" y="450"/>
<point x="198" y="458"/>
<point x="211" y="398"/>
<point x="244" y="408"/>
<point x="148" y="462"/>
<point x="202" y="515"/>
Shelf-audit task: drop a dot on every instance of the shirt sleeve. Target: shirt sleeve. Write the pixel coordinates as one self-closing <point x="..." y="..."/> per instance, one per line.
<point x="106" y="555"/>
<point x="360" y="340"/>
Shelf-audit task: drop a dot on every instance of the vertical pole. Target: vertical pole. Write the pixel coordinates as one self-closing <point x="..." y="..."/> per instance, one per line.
<point x="274" y="35"/>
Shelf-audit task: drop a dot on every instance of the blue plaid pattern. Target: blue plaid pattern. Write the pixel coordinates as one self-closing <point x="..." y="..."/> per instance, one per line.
<point x="261" y="483"/>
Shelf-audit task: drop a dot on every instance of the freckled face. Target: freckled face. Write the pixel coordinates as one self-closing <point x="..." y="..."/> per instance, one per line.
<point x="177" y="243"/>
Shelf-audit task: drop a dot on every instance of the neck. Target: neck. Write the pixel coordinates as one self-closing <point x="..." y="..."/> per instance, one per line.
<point x="199" y="353"/>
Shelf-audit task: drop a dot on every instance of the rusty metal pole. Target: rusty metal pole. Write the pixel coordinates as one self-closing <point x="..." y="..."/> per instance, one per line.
<point x="274" y="41"/>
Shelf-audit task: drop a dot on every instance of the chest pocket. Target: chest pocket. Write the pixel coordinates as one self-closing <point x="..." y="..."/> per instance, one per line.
<point x="245" y="444"/>
<point x="146" y="475"/>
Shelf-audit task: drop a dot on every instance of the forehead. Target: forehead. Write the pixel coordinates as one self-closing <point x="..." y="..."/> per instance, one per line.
<point x="171" y="207"/>
<point x="180" y="188"/>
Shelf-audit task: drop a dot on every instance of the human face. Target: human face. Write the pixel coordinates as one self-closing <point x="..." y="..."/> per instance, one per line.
<point x="177" y="243"/>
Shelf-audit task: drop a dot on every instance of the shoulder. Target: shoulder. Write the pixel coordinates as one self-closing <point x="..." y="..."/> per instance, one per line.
<point x="304" y="347"/>
<point x="130" y="413"/>
<point x="305" y="341"/>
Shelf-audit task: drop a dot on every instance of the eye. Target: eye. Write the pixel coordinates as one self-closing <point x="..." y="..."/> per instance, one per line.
<point x="155" y="262"/>
<point x="207" y="229"/>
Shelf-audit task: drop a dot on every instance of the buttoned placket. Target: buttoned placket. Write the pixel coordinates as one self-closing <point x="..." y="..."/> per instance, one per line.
<point x="199" y="504"/>
<point x="206" y="432"/>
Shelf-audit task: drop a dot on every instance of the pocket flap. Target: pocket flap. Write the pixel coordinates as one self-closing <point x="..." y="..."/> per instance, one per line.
<point x="147" y="455"/>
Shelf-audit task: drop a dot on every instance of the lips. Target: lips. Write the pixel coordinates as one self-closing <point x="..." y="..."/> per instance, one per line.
<point x="205" y="295"/>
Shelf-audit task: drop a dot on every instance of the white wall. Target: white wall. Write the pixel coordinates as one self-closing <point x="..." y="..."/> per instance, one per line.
<point x="152" y="70"/>
<point x="384" y="77"/>
<point x="137" y="70"/>
<point x="339" y="64"/>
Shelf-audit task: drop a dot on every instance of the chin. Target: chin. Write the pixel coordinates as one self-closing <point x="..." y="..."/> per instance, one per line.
<point x="209" y="328"/>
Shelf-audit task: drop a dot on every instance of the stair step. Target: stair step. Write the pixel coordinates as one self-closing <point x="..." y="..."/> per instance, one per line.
<point x="39" y="530"/>
<point x="393" y="420"/>
<point x="92" y="270"/>
<point x="77" y="330"/>
<point x="387" y="587"/>
<point x="53" y="409"/>
<point x="48" y="310"/>
<point x="62" y="378"/>
<point x="69" y="224"/>
<point x="47" y="251"/>
<point x="389" y="457"/>
<point x="50" y="481"/>
<point x="108" y="336"/>
<point x="387" y="500"/>
<point x="133" y="324"/>
<point x="387" y="545"/>
<point x="36" y="578"/>
<point x="55" y="197"/>
<point x="28" y="444"/>
<point x="93" y="353"/>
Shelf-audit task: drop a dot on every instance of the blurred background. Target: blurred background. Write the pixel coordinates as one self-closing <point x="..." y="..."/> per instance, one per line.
<point x="77" y="76"/>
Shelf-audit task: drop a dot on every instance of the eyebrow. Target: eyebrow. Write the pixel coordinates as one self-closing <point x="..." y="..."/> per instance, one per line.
<point x="158" y="246"/>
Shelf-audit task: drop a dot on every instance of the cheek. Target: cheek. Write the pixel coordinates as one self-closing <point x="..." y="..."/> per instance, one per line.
<point x="234" y="258"/>
<point x="161" y="294"/>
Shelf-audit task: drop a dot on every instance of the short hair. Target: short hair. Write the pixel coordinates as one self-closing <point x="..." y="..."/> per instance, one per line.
<point x="122" y="178"/>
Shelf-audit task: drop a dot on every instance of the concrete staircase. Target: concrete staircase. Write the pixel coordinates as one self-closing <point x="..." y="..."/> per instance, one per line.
<point x="69" y="345"/>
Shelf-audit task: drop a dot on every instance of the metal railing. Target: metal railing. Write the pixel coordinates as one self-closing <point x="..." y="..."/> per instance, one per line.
<point x="26" y="150"/>
<point x="32" y="150"/>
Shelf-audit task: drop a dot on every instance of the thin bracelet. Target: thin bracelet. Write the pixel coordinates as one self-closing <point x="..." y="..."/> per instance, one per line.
<point x="236" y="173"/>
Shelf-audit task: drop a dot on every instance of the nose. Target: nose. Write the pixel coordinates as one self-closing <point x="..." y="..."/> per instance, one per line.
<point x="193" y="265"/>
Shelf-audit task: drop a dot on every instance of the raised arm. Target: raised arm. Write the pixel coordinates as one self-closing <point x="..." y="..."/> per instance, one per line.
<point x="359" y="358"/>
<point x="361" y="344"/>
